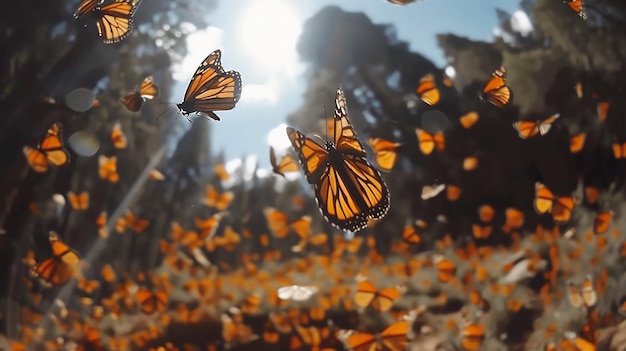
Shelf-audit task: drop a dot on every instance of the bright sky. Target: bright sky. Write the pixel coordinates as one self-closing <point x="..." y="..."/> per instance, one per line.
<point x="258" y="39"/>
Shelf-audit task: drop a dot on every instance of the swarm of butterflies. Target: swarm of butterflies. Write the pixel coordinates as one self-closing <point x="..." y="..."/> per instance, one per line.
<point x="330" y="292"/>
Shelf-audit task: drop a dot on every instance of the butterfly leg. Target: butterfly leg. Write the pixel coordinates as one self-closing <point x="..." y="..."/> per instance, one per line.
<point x="210" y="114"/>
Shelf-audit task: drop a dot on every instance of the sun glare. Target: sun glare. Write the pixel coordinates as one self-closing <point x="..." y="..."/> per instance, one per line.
<point x="269" y="32"/>
<point x="277" y="138"/>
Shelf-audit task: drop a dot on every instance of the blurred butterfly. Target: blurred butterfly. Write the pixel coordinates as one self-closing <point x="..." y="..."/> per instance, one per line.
<point x="428" y="142"/>
<point x="117" y="137"/>
<point x="469" y="119"/>
<point x="514" y="219"/>
<point x="472" y="337"/>
<point x="60" y="267"/>
<point x="603" y="110"/>
<point x="546" y="202"/>
<point x="410" y="235"/>
<point x="234" y="331"/>
<point x="401" y="2"/>
<point x="446" y="269"/>
<point x="215" y="199"/>
<point x="602" y="222"/>
<point x="577" y="142"/>
<point x="430" y="191"/>
<point x="427" y="90"/>
<point x="496" y="91"/>
<point x="114" y="21"/>
<point x="470" y="163"/>
<point x="585" y="296"/>
<point x="347" y="188"/>
<point x="211" y="89"/>
<point x="385" y="152"/>
<point x="151" y="301"/>
<point x="297" y="292"/>
<point x="578" y="87"/>
<point x="101" y="223"/>
<point x="156" y="175"/>
<point x="108" y="169"/>
<point x="393" y="338"/>
<point x="381" y="300"/>
<point x="78" y="201"/>
<point x="49" y="151"/>
<point x="619" y="150"/>
<point x="527" y="129"/>
<point x="578" y="7"/>
<point x="286" y="164"/>
<point x="148" y="90"/>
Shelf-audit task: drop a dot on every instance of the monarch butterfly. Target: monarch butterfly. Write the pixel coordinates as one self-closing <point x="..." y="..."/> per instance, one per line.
<point x="49" y="151"/>
<point x="527" y="129"/>
<point x="470" y="163"/>
<point x="101" y="223"/>
<point x="108" y="169"/>
<point x="348" y="189"/>
<point x="114" y="21"/>
<point x="148" y="90"/>
<point x="410" y="235"/>
<point x="579" y="7"/>
<point x="78" y="201"/>
<point x="453" y="192"/>
<point x="151" y="301"/>
<point x="368" y="295"/>
<point x="427" y="90"/>
<point x="118" y="137"/>
<point x="393" y="338"/>
<point x="156" y="175"/>
<point x="286" y="164"/>
<point x="385" y="152"/>
<point x="603" y="110"/>
<point x="469" y="119"/>
<point x="211" y="89"/>
<point x="514" y="219"/>
<point x="217" y="200"/>
<point x="234" y="331"/>
<point x="61" y="266"/>
<point x="585" y="296"/>
<point x="602" y="222"/>
<point x="561" y="207"/>
<point x="472" y="337"/>
<point x="619" y="150"/>
<point x="496" y="91"/>
<point x="577" y="142"/>
<point x="428" y="142"/>
<point x="446" y="269"/>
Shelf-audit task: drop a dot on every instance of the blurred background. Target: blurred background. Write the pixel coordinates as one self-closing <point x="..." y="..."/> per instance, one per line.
<point x="185" y="235"/>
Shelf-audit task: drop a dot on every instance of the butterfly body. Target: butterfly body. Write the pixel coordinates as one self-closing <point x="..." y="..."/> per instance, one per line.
<point x="348" y="190"/>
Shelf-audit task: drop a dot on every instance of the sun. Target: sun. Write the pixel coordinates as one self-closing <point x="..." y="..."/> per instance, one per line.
<point x="269" y="31"/>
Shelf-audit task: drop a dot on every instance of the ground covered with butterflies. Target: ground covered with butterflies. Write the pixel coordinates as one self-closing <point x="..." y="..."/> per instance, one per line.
<point x="481" y="210"/>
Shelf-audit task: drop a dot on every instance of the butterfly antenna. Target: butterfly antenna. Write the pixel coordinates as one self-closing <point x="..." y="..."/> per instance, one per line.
<point x="164" y="112"/>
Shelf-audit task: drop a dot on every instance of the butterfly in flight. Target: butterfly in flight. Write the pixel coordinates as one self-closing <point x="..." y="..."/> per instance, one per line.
<point x="211" y="89"/>
<point x="427" y="90"/>
<point x="496" y="91"/>
<point x="114" y="21"/>
<point x="348" y="189"/>
<point x="49" y="151"/>
<point x="286" y="164"/>
<point x="148" y="90"/>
